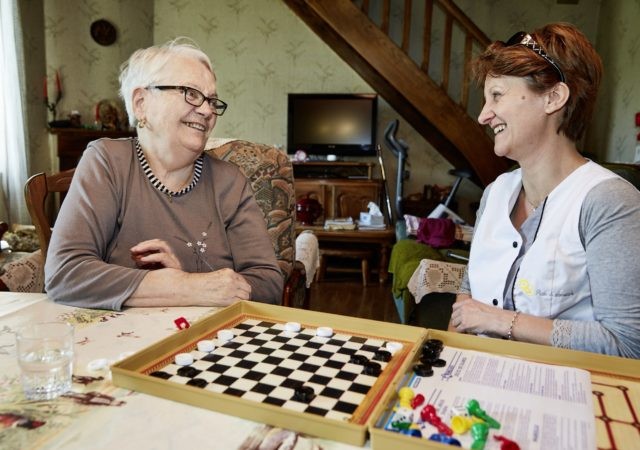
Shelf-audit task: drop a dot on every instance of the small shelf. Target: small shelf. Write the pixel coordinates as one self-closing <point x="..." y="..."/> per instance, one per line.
<point x="335" y="169"/>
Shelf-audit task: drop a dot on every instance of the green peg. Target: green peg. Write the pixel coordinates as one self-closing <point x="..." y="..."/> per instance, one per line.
<point x="479" y="432"/>
<point x="473" y="408"/>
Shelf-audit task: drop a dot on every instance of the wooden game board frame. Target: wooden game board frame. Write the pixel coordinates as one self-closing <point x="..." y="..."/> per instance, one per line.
<point x="130" y="372"/>
<point x="605" y="370"/>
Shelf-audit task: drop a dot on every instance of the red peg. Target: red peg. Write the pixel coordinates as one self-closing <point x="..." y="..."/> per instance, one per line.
<point x="417" y="401"/>
<point x="506" y="444"/>
<point x="429" y="415"/>
<point x="181" y="323"/>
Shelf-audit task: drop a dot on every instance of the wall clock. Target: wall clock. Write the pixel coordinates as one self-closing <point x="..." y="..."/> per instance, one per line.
<point x="103" y="32"/>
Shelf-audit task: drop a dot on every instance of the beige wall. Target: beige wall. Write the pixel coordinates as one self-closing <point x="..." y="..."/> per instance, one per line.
<point x="261" y="51"/>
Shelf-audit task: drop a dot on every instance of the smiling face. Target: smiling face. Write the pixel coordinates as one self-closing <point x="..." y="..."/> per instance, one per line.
<point x="516" y="115"/>
<point x="173" y="123"/>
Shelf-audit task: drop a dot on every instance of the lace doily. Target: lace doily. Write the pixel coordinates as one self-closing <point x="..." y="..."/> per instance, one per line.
<point x="307" y="252"/>
<point x="25" y="274"/>
<point x="435" y="276"/>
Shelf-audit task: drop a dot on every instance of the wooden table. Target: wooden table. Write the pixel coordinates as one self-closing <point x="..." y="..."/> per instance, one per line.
<point x="383" y="239"/>
<point x="98" y="414"/>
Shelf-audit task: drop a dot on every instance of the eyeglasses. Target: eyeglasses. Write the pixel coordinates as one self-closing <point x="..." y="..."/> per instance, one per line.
<point x="523" y="38"/>
<point x="196" y="98"/>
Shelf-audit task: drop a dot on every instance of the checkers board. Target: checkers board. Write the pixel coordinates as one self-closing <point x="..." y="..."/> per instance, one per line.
<point x="255" y="375"/>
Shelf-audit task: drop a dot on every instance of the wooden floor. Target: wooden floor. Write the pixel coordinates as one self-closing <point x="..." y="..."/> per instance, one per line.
<point x="344" y="294"/>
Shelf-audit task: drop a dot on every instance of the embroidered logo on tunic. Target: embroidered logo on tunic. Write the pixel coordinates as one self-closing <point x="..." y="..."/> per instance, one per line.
<point x="525" y="286"/>
<point x="199" y="249"/>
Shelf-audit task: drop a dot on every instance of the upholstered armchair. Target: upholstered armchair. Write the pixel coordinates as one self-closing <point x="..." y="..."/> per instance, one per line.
<point x="270" y="174"/>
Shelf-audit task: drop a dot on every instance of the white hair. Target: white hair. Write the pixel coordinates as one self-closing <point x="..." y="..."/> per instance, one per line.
<point x="144" y="65"/>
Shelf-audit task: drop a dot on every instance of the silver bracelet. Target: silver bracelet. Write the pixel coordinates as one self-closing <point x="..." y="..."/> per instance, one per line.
<point x="513" y="322"/>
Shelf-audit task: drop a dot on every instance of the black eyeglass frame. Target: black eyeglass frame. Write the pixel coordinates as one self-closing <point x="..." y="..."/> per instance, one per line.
<point x="524" y="38"/>
<point x="217" y="105"/>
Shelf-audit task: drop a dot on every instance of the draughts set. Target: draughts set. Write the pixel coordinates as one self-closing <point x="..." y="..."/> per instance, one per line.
<point x="299" y="371"/>
<point x="330" y="386"/>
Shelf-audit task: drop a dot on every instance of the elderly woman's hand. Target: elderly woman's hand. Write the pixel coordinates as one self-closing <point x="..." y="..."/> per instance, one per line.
<point x="225" y="286"/>
<point x="154" y="254"/>
<point x="472" y="316"/>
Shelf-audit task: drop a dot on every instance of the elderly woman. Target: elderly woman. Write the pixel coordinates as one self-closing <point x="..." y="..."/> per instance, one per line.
<point x="554" y="258"/>
<point x="158" y="202"/>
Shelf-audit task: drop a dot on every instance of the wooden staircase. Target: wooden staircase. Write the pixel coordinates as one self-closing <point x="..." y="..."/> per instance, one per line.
<point x="427" y="86"/>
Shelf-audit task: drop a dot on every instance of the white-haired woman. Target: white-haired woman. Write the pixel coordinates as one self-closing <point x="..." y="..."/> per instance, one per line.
<point x="152" y="220"/>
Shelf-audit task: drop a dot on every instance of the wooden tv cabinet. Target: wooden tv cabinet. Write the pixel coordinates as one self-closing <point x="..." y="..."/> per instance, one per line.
<point x="344" y="189"/>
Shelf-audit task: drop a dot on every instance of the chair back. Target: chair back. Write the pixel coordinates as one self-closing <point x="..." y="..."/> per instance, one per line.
<point x="36" y="191"/>
<point x="270" y="174"/>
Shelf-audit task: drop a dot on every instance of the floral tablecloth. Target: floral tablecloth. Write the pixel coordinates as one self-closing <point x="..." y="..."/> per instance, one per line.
<point x="98" y="415"/>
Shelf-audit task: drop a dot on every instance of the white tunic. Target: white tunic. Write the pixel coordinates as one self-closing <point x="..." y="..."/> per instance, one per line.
<point x="552" y="280"/>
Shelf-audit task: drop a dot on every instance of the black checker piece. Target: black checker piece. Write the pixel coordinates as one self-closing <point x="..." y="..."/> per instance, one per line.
<point x="188" y="371"/>
<point x="161" y="374"/>
<point x="197" y="382"/>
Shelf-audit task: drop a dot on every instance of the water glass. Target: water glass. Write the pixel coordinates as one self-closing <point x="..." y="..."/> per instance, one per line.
<point x="45" y="356"/>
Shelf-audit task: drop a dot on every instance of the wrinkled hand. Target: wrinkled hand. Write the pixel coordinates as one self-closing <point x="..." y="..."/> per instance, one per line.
<point x="225" y="286"/>
<point x="154" y="254"/>
<point x="472" y="316"/>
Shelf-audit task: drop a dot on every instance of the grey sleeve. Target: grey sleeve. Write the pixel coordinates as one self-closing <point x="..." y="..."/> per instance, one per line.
<point x="465" y="287"/>
<point x="75" y="271"/>
<point x="610" y="232"/>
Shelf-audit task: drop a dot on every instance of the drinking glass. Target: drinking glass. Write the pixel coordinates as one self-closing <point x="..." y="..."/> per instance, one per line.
<point x="45" y="357"/>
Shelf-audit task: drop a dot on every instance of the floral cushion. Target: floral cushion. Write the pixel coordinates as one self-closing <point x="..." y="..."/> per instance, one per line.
<point x="270" y="174"/>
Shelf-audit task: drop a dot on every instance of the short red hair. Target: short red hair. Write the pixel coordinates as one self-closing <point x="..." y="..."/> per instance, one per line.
<point x="572" y="52"/>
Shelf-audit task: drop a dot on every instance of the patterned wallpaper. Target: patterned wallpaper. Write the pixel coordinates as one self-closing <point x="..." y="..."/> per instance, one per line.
<point x="261" y="51"/>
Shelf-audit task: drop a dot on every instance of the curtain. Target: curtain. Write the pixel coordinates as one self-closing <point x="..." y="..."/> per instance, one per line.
<point x="13" y="151"/>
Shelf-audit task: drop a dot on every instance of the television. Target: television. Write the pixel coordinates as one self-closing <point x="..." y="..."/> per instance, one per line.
<point x="332" y="124"/>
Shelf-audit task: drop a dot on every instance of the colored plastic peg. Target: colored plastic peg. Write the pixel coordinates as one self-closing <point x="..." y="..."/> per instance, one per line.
<point x="181" y="323"/>
<point x="479" y="433"/>
<point x="445" y="439"/>
<point x="405" y="395"/>
<point x="506" y="444"/>
<point x="462" y="424"/>
<point x="413" y="432"/>
<point x="473" y="408"/>
<point x="417" y="401"/>
<point x="398" y="425"/>
<point x="429" y="415"/>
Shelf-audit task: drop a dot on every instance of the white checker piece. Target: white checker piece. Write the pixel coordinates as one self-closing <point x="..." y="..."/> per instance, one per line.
<point x="265" y="362"/>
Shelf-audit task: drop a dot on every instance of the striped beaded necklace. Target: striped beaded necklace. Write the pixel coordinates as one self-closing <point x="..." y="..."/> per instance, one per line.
<point x="197" y="171"/>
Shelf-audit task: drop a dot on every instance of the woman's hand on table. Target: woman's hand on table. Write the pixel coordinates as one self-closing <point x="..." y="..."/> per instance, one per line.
<point x="154" y="254"/>
<point x="225" y="286"/>
<point x="471" y="316"/>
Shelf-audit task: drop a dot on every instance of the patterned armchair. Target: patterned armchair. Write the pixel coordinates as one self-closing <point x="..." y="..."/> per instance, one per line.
<point x="270" y="174"/>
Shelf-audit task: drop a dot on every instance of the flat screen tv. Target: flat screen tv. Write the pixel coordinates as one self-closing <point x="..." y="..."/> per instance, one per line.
<point x="332" y="124"/>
